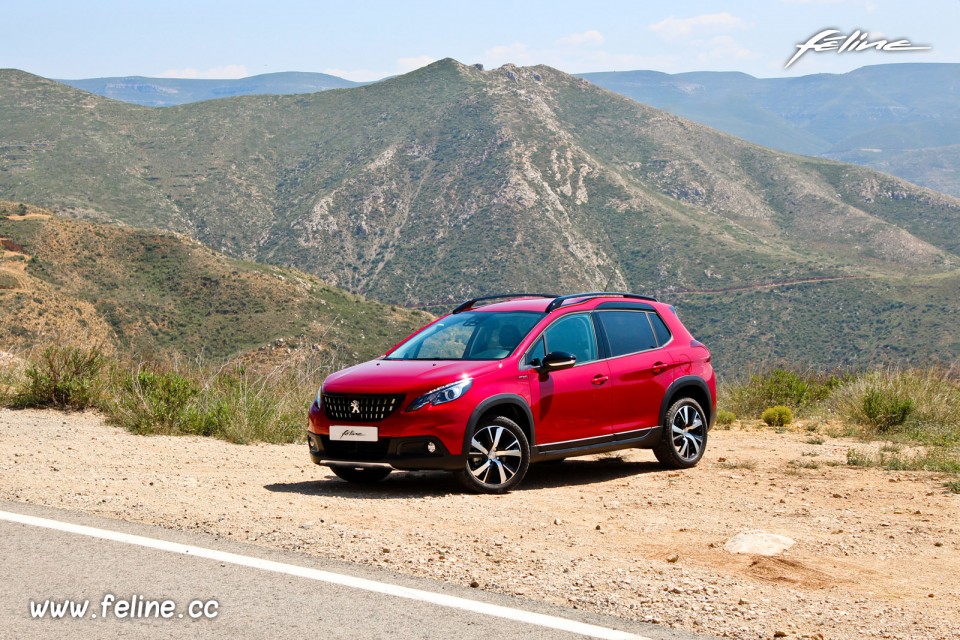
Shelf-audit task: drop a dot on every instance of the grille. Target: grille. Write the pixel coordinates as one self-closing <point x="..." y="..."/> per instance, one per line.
<point x="355" y="408"/>
<point x="356" y="451"/>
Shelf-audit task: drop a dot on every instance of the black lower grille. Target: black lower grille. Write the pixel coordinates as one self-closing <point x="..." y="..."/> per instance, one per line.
<point x="356" y="451"/>
<point x="360" y="408"/>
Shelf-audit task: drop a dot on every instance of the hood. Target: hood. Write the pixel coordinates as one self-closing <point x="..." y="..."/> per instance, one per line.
<point x="405" y="376"/>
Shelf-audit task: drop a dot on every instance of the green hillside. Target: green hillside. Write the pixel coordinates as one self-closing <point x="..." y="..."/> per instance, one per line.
<point x="151" y="293"/>
<point x="452" y="181"/>
<point x="873" y="116"/>
<point x="165" y="92"/>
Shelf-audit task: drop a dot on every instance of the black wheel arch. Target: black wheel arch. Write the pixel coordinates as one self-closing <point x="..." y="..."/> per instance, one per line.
<point x="508" y="405"/>
<point x="691" y="387"/>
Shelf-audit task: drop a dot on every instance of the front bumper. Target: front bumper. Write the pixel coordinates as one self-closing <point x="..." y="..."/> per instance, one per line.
<point x="404" y="443"/>
<point x="400" y="453"/>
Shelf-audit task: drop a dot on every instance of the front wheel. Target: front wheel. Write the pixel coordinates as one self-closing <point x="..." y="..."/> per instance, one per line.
<point x="498" y="457"/>
<point x="360" y="475"/>
<point x="684" y="435"/>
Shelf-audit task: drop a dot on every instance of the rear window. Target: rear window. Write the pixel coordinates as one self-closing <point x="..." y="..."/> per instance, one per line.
<point x="628" y="331"/>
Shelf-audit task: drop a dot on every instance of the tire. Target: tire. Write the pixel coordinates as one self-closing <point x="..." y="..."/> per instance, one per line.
<point x="360" y="475"/>
<point x="498" y="456"/>
<point x="684" y="436"/>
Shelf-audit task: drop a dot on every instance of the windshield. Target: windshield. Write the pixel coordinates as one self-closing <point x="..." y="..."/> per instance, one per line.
<point x="472" y="335"/>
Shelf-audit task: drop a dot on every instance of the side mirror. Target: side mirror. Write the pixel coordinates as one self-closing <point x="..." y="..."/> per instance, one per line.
<point x="557" y="361"/>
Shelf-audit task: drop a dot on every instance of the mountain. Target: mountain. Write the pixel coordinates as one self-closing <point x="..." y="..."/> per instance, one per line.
<point x="166" y="92"/>
<point x="147" y="293"/>
<point x="451" y="181"/>
<point x="898" y="118"/>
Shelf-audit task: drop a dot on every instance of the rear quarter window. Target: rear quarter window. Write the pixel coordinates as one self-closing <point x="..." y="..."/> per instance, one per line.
<point x="660" y="329"/>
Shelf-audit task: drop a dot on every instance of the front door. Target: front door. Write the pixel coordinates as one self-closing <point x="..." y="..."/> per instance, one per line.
<point x="573" y="404"/>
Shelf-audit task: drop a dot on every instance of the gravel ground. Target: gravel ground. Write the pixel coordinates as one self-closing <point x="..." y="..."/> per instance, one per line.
<point x="876" y="553"/>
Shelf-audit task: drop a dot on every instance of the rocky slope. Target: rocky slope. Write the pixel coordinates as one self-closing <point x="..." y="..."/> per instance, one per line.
<point x="452" y="181"/>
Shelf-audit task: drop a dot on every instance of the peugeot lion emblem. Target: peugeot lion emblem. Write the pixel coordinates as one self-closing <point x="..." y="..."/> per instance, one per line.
<point x="355" y="406"/>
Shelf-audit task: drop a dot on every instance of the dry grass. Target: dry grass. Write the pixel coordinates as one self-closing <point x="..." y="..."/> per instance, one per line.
<point x="917" y="405"/>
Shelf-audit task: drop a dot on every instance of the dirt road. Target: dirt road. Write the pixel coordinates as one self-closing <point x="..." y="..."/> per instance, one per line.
<point x="876" y="553"/>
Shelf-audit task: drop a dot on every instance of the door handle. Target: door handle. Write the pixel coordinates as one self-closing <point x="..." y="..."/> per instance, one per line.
<point x="599" y="379"/>
<point x="658" y="367"/>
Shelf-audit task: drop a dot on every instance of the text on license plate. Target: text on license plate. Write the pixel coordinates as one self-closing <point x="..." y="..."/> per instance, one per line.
<point x="356" y="434"/>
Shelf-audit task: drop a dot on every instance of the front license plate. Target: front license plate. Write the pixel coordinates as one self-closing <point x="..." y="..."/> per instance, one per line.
<point x="355" y="434"/>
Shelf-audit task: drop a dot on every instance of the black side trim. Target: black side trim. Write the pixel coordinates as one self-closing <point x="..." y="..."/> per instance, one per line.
<point x="687" y="381"/>
<point x="645" y="440"/>
<point x="506" y="399"/>
<point x="586" y="443"/>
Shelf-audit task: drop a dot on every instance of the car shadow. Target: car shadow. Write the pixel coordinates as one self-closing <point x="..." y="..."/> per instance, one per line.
<point x="421" y="484"/>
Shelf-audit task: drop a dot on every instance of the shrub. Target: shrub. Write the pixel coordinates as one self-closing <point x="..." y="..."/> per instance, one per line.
<point x="725" y="417"/>
<point x="883" y="411"/>
<point x="921" y="405"/>
<point x="155" y="402"/>
<point x="231" y="403"/>
<point x="12" y="376"/>
<point x="777" y="416"/>
<point x="935" y="459"/>
<point x="782" y="387"/>
<point x="243" y="407"/>
<point x="64" y="377"/>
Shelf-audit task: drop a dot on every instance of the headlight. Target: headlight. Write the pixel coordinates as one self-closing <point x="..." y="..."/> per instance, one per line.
<point x="320" y="397"/>
<point x="440" y="395"/>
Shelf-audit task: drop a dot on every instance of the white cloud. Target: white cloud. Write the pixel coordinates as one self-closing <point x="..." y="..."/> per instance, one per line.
<point x="586" y="37"/>
<point x="227" y="72"/>
<point x="405" y="65"/>
<point x="672" y="29"/>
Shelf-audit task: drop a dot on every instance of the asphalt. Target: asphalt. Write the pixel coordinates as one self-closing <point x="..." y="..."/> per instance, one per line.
<point x="258" y="592"/>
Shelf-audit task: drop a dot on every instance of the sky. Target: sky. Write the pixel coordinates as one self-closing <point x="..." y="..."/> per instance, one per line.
<point x="365" y="41"/>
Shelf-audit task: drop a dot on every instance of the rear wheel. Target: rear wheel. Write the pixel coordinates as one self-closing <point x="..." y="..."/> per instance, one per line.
<point x="498" y="457"/>
<point x="360" y="475"/>
<point x="684" y="435"/>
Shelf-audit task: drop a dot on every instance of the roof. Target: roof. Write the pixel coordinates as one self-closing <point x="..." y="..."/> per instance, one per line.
<point x="541" y="304"/>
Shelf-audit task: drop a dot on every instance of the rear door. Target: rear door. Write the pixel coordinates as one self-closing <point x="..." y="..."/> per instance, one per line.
<point x="570" y="406"/>
<point x="640" y="366"/>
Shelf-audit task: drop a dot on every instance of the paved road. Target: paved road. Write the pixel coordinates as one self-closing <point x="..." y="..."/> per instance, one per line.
<point x="256" y="592"/>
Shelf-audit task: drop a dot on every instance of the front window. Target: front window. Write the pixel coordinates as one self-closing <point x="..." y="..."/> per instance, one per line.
<point x="472" y="335"/>
<point x="573" y="334"/>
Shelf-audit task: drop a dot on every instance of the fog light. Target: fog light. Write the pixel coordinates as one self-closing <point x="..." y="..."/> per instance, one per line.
<point x="431" y="447"/>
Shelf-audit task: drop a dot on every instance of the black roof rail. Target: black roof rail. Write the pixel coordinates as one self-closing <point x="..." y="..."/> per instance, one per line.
<point x="595" y="294"/>
<point x="469" y="303"/>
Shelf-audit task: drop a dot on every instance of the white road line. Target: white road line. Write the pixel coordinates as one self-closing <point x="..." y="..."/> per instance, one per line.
<point x="443" y="600"/>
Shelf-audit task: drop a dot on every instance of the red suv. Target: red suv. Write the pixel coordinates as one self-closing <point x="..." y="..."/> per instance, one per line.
<point x="487" y="390"/>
